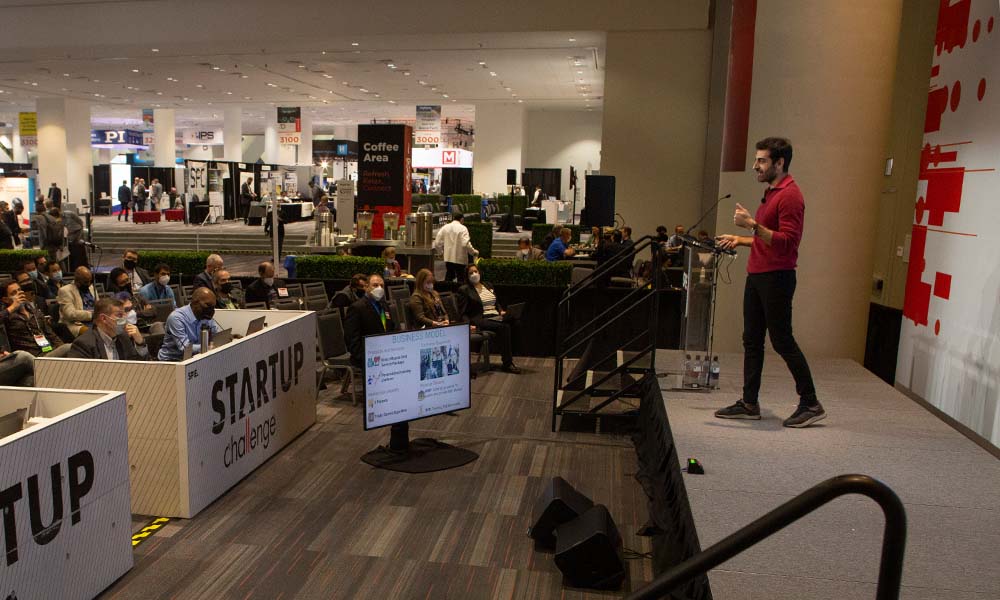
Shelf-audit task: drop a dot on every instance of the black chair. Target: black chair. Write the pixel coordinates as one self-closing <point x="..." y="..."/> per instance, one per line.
<point x="397" y="292"/>
<point x="256" y="306"/>
<point x="179" y="297"/>
<point x="287" y="304"/>
<point x="334" y="350"/>
<point x="479" y="341"/>
<point x="315" y="289"/>
<point x="316" y="303"/>
<point x="153" y="343"/>
<point x="294" y="289"/>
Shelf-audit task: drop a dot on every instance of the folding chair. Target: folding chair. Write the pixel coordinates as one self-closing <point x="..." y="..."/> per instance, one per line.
<point x="334" y="348"/>
<point x="315" y="289"/>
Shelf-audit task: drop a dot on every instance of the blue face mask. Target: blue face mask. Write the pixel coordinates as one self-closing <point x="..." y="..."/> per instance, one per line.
<point x="33" y="274"/>
<point x="57" y="276"/>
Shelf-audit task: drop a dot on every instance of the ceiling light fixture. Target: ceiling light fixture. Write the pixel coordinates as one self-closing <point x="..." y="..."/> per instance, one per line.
<point x="493" y="73"/>
<point x="155" y="49"/>
<point x="572" y="39"/>
<point x="135" y="70"/>
<point x="444" y="95"/>
<point x="215" y="68"/>
<point x="364" y="91"/>
<point x="355" y="44"/>
<point x="392" y="101"/>
<point x="65" y="74"/>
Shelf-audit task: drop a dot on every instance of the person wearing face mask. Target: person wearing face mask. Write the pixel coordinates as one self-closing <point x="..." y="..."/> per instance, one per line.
<point x="55" y="279"/>
<point x="425" y="303"/>
<point x="479" y="305"/>
<point x="265" y="287"/>
<point x="112" y="336"/>
<point x="351" y="293"/>
<point x="27" y="329"/>
<point x="183" y="326"/>
<point x="137" y="276"/>
<point x="204" y="279"/>
<point x="35" y="286"/>
<point x="76" y="301"/>
<point x="454" y="243"/>
<point x="159" y="287"/>
<point x="225" y="291"/>
<point x="525" y="251"/>
<point x="392" y="268"/>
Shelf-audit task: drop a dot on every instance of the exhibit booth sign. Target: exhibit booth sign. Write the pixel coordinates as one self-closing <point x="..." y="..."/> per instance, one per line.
<point x="64" y="492"/>
<point x="197" y="427"/>
<point x="384" y="165"/>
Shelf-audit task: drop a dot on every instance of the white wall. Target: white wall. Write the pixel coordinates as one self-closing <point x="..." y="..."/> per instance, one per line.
<point x="499" y="145"/>
<point x="557" y="139"/>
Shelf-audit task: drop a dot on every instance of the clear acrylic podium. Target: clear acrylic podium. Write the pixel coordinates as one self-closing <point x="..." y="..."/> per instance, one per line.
<point x="701" y="263"/>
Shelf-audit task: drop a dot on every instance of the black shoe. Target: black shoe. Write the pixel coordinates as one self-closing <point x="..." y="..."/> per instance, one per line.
<point x="804" y="416"/>
<point x="510" y="368"/>
<point x="740" y="410"/>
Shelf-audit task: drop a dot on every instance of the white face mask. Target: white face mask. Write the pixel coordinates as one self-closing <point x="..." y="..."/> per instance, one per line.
<point x="524" y="253"/>
<point x="474" y="278"/>
<point x="131" y="317"/>
<point x="268" y="281"/>
<point x="377" y="293"/>
<point x="120" y="325"/>
<point x="164" y="280"/>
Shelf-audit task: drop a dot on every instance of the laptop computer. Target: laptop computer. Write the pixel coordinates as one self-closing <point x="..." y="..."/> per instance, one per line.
<point x="163" y="309"/>
<point x="513" y="313"/>
<point x="256" y="325"/>
<point x="222" y="338"/>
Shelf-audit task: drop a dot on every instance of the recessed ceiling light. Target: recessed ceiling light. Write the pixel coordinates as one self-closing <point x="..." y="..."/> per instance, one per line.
<point x="572" y="39"/>
<point x="302" y="66"/>
<point x="97" y="95"/>
<point x="271" y="85"/>
<point x="156" y="49"/>
<point x="391" y="66"/>
<point x="422" y="82"/>
<point x="482" y="63"/>
<point x="65" y="74"/>
<point x="520" y="101"/>
<point x="323" y="52"/>
<point x="493" y="73"/>
<point x="444" y="95"/>
<point x="434" y="89"/>
<point x="378" y="95"/>
<point x="407" y="73"/>
<point x="579" y="72"/>
<point x="364" y="91"/>
<point x="327" y="75"/>
<point x="392" y="101"/>
<point x="244" y="76"/>
<point x="199" y="86"/>
<point x="246" y="97"/>
<point x="229" y="93"/>
<point x="159" y="93"/>
<point x="355" y="44"/>
<point x="343" y="83"/>
<point x="135" y="70"/>
<point x="215" y="68"/>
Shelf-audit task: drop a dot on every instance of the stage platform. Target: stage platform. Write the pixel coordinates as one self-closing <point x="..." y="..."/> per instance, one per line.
<point x="315" y="522"/>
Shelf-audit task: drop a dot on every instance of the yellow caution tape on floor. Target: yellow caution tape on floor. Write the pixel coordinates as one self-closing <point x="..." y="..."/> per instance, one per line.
<point x="148" y="530"/>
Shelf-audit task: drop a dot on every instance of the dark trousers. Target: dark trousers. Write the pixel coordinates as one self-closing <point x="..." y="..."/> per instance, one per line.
<point x="124" y="211"/>
<point x="455" y="271"/>
<point x="501" y="335"/>
<point x="767" y="309"/>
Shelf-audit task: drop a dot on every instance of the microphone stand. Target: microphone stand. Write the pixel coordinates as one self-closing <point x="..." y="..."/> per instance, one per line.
<point x="708" y="212"/>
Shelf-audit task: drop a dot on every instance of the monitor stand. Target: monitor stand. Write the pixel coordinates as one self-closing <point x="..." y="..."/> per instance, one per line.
<point x="422" y="455"/>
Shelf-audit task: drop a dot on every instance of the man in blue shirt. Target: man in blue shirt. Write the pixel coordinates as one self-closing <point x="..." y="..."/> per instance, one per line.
<point x="559" y="248"/>
<point x="159" y="287"/>
<point x="183" y="326"/>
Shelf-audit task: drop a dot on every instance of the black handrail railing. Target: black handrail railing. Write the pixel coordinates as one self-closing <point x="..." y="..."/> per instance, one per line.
<point x="641" y="244"/>
<point x="890" y="572"/>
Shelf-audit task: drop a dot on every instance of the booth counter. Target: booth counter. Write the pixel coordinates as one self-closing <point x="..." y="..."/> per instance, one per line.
<point x="64" y="492"/>
<point x="196" y="428"/>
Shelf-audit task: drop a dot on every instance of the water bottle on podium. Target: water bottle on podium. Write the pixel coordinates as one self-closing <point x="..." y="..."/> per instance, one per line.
<point x="713" y="375"/>
<point x="697" y="368"/>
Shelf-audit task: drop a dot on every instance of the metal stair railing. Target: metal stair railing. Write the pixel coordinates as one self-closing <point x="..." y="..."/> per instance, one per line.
<point x="893" y="537"/>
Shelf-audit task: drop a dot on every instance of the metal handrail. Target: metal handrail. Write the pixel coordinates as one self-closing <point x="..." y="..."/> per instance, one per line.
<point x="893" y="539"/>
<point x="602" y="269"/>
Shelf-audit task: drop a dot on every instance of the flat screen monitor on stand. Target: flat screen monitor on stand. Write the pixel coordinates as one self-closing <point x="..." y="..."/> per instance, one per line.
<point x="413" y="375"/>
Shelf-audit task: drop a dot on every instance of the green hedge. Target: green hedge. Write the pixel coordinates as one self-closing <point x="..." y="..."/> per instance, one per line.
<point x="188" y="262"/>
<point x="520" y="204"/>
<point x="540" y="230"/>
<point x="436" y="200"/>
<point x="320" y="266"/>
<point x="481" y="235"/>
<point x="539" y="273"/>
<point x="13" y="260"/>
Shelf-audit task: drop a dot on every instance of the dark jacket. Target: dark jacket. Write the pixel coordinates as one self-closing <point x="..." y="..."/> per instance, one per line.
<point x="202" y="279"/>
<point x="362" y="319"/>
<point x="12" y="223"/>
<point x="55" y="195"/>
<point x="21" y="331"/>
<point x="345" y="297"/>
<point x="470" y="306"/>
<point x="88" y="345"/>
<point x="424" y="312"/>
<point x="258" y="291"/>
<point x="124" y="196"/>
<point x="6" y="236"/>
<point x="141" y="273"/>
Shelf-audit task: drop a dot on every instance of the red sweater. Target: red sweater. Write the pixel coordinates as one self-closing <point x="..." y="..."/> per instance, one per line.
<point x="782" y="210"/>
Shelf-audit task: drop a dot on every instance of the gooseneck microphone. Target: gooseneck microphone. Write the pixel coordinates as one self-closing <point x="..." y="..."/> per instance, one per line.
<point x="714" y="206"/>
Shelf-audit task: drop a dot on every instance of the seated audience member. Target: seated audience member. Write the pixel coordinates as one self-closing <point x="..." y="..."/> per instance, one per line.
<point x="137" y="276"/>
<point x="559" y="249"/>
<point x="76" y="301"/>
<point x="425" y="303"/>
<point x="159" y="286"/>
<point x="38" y="288"/>
<point x="225" y="291"/>
<point x="551" y="237"/>
<point x="27" y="328"/>
<point x="204" y="279"/>
<point x="661" y="233"/>
<point x="265" y="287"/>
<point x="183" y="326"/>
<point x="478" y="304"/>
<point x="525" y="251"/>
<point x="352" y="292"/>
<point x="368" y="315"/>
<point x="596" y="235"/>
<point x="55" y="279"/>
<point x="626" y="233"/>
<point x="677" y="239"/>
<point x="29" y="287"/>
<point x="112" y="337"/>
<point x="18" y="370"/>
<point x="704" y="238"/>
<point x="392" y="268"/>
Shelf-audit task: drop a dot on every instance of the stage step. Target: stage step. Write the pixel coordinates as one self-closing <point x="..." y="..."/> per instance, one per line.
<point x="504" y="247"/>
<point x="197" y="240"/>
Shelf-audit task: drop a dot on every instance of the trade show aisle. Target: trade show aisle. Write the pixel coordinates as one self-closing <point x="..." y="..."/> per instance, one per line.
<point x="948" y="484"/>
<point x="315" y="522"/>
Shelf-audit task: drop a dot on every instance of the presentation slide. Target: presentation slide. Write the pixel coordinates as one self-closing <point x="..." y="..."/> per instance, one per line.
<point x="415" y="374"/>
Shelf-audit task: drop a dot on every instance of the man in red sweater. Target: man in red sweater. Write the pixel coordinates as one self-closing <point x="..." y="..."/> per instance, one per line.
<point x="776" y="230"/>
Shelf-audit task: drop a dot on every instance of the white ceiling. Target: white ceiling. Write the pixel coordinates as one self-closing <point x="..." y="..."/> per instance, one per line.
<point x="345" y="82"/>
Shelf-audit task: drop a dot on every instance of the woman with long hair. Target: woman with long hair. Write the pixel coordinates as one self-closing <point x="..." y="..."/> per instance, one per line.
<point x="478" y="304"/>
<point x="425" y="303"/>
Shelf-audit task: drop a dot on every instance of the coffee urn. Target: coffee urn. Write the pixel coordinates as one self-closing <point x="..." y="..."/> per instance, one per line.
<point x="411" y="229"/>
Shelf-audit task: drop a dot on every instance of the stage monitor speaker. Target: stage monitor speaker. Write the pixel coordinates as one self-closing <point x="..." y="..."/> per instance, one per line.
<point x="589" y="551"/>
<point x="559" y="504"/>
<point x="600" y="204"/>
<point x="511" y="177"/>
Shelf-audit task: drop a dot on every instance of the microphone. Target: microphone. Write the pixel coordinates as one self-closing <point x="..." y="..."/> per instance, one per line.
<point x="91" y="245"/>
<point x="714" y="206"/>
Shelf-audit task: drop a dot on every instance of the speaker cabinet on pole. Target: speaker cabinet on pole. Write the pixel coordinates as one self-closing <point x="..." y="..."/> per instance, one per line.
<point x="600" y="201"/>
<point x="511" y="176"/>
<point x="559" y="504"/>
<point x="589" y="551"/>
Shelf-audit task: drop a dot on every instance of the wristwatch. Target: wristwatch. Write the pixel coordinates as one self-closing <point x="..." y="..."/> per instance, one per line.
<point x="753" y="230"/>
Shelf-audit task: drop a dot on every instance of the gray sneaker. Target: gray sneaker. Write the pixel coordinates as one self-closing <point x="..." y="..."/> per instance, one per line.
<point x="740" y="410"/>
<point x="804" y="416"/>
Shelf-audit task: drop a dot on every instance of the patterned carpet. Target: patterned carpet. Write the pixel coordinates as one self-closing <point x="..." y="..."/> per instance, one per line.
<point x="316" y="522"/>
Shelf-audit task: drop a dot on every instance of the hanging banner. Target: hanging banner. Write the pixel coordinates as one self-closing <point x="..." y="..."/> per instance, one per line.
<point x="197" y="178"/>
<point x="289" y="125"/>
<point x="949" y="338"/>
<point x="203" y="137"/>
<point x="439" y="158"/>
<point x="115" y="138"/>
<point x="27" y="127"/>
<point x="147" y="119"/>
<point x="427" y="131"/>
